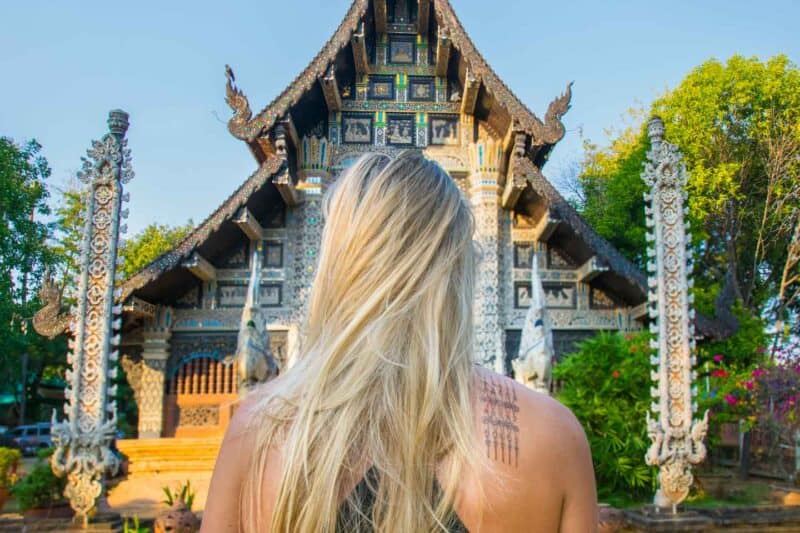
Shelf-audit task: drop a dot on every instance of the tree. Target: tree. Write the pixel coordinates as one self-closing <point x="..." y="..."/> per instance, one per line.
<point x="24" y="257"/>
<point x="738" y="127"/>
<point x="140" y="250"/>
<point x="69" y="231"/>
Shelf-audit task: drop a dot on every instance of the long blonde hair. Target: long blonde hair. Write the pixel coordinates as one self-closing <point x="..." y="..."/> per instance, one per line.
<point x="384" y="373"/>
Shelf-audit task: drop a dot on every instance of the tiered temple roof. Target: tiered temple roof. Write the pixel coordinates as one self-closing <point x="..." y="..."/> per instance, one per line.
<point x="273" y="136"/>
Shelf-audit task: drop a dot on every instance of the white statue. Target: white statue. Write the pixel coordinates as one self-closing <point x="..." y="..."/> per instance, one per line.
<point x="534" y="366"/>
<point x="253" y="355"/>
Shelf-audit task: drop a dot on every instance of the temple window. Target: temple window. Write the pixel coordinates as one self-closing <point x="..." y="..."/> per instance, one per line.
<point x="273" y="254"/>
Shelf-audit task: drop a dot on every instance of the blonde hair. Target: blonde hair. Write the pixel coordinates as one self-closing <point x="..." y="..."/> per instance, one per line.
<point x="384" y="374"/>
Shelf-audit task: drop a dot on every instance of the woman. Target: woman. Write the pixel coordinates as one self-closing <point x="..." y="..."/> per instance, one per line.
<point x="385" y="423"/>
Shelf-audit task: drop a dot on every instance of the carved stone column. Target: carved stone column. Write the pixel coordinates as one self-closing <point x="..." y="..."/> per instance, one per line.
<point x="677" y="439"/>
<point x="484" y="193"/>
<point x="157" y="333"/>
<point x="82" y="440"/>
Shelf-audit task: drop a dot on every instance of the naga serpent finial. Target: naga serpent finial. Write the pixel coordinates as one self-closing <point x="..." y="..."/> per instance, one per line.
<point x="238" y="102"/>
<point x="49" y="321"/>
<point x="552" y="129"/>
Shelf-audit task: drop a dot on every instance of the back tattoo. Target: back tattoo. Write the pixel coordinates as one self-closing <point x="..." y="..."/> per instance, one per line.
<point x="500" y="429"/>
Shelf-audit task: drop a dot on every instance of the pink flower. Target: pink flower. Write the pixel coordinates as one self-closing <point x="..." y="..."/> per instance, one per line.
<point x="616" y="374"/>
<point x="762" y="350"/>
<point x="758" y="372"/>
<point x="732" y="400"/>
<point x="749" y="385"/>
<point x="718" y="358"/>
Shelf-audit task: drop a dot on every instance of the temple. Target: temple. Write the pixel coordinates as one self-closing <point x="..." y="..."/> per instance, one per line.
<point x="396" y="75"/>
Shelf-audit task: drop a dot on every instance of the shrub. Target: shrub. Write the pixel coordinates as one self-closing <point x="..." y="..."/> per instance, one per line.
<point x="183" y="494"/>
<point x="41" y="487"/>
<point x="9" y="459"/>
<point x="607" y="386"/>
<point x="134" y="527"/>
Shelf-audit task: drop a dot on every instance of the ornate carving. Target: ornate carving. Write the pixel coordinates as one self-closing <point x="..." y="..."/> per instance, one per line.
<point x="314" y="157"/>
<point x="533" y="368"/>
<point x="82" y="441"/>
<point x="238" y="102"/>
<point x="151" y="398"/>
<point x="677" y="441"/>
<point x="254" y="357"/>
<point x="405" y="107"/>
<point x="487" y="211"/>
<point x="199" y="416"/>
<point x="49" y="321"/>
<point x="133" y="367"/>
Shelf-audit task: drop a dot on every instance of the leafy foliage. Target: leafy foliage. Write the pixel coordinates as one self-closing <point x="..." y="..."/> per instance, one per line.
<point x="9" y="460"/>
<point x="613" y="192"/>
<point x="183" y="494"/>
<point x="140" y="250"/>
<point x="134" y="527"/>
<point x="607" y="386"/>
<point x="41" y="487"/>
<point x="738" y="127"/>
<point x="70" y="226"/>
<point x="24" y="256"/>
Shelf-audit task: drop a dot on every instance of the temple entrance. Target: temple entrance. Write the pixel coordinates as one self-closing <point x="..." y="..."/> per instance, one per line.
<point x="200" y="397"/>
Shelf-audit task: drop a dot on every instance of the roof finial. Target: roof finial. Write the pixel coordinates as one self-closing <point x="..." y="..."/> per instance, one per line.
<point x="655" y="130"/>
<point x="238" y="103"/>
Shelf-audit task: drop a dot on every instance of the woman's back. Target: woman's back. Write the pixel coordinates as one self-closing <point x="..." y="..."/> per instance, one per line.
<point x="385" y="388"/>
<point x="538" y="475"/>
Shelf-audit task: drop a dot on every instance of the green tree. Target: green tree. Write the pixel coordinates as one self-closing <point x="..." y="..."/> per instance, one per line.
<point x="24" y="257"/>
<point x="70" y="227"/>
<point x="141" y="249"/>
<point x="738" y="127"/>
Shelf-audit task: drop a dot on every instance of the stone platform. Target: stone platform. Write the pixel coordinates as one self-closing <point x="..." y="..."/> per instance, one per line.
<point x="762" y="518"/>
<point x="102" y="523"/>
<point x="158" y="463"/>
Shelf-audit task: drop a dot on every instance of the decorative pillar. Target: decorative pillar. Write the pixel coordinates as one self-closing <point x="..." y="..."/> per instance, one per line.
<point x="82" y="441"/>
<point x="380" y="128"/>
<point x="315" y="175"/>
<point x="677" y="439"/>
<point x="155" y="353"/>
<point x="401" y="86"/>
<point x="422" y="129"/>
<point x="422" y="50"/>
<point x="484" y="192"/>
<point x="334" y="127"/>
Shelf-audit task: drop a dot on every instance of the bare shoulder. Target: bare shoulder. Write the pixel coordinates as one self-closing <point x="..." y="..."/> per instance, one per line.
<point x="222" y="508"/>
<point x="535" y="451"/>
<point x="241" y="423"/>
<point x="544" y="424"/>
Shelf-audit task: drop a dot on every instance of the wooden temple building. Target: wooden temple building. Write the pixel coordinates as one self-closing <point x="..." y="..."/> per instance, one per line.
<point x="396" y="75"/>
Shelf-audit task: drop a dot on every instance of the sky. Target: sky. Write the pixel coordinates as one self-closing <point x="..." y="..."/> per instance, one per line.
<point x="65" y="64"/>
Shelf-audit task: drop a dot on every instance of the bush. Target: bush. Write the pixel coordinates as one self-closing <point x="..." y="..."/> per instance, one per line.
<point x="183" y="494"/>
<point x="41" y="487"/>
<point x="607" y="386"/>
<point x="9" y="460"/>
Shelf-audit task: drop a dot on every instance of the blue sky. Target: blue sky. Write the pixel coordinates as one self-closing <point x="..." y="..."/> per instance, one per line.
<point x="66" y="63"/>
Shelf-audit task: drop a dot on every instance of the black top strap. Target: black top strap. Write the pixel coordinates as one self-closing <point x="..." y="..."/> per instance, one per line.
<point x="350" y="521"/>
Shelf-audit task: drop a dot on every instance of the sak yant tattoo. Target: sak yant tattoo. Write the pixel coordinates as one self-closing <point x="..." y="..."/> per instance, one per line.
<point x="500" y="428"/>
